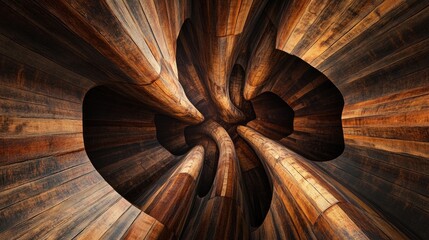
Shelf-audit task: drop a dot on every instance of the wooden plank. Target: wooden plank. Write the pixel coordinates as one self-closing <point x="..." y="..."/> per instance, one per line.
<point x="120" y="227"/>
<point x="369" y="20"/>
<point x="16" y="150"/>
<point x="99" y="226"/>
<point x="49" y="198"/>
<point x="33" y="188"/>
<point x="12" y="126"/>
<point x="306" y="193"/>
<point x="146" y="227"/>
<point x="49" y="220"/>
<point x="17" y="174"/>
<point x="76" y="223"/>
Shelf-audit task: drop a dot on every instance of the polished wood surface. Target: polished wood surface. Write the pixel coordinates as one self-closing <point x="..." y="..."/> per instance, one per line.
<point x="308" y="199"/>
<point x="188" y="119"/>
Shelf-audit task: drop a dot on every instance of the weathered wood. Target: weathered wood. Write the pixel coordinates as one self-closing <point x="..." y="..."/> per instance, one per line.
<point x="256" y="182"/>
<point x="354" y="165"/>
<point x="226" y="193"/>
<point x="134" y="53"/>
<point x="145" y="160"/>
<point x="171" y="202"/>
<point x="307" y="194"/>
<point x="146" y="227"/>
<point x="221" y="31"/>
<point x="263" y="60"/>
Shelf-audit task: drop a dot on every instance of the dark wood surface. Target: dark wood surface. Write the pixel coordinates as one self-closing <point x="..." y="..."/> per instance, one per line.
<point x="150" y="119"/>
<point x="309" y="201"/>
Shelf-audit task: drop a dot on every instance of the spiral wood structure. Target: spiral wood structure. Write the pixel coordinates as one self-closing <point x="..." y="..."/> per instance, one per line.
<point x="214" y="119"/>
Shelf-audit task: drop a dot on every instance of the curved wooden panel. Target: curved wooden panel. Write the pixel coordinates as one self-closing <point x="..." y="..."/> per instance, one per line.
<point x="48" y="187"/>
<point x="148" y="60"/>
<point x="274" y="118"/>
<point x="171" y="201"/>
<point x="120" y="139"/>
<point x="83" y="83"/>
<point x="226" y="192"/>
<point x="315" y="208"/>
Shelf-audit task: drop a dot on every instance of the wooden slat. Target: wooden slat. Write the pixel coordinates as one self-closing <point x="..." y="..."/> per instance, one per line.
<point x="321" y="205"/>
<point x="22" y="210"/>
<point x="99" y="226"/>
<point x="119" y="228"/>
<point x="51" y="219"/>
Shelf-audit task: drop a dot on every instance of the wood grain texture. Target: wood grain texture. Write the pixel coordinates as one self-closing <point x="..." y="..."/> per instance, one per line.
<point x="221" y="31"/>
<point x="99" y="102"/>
<point x="377" y="60"/>
<point x="149" y="60"/>
<point x="122" y="142"/>
<point x="49" y="188"/>
<point x="170" y="201"/>
<point x="308" y="199"/>
<point x="226" y="193"/>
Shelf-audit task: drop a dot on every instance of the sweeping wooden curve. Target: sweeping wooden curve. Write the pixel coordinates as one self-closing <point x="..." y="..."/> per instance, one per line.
<point x="307" y="196"/>
<point x="188" y="119"/>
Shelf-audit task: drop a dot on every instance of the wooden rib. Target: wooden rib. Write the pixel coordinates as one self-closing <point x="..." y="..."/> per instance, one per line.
<point x="146" y="227"/>
<point x="374" y="52"/>
<point x="171" y="202"/>
<point x="263" y="60"/>
<point x="320" y="205"/>
<point x="226" y="193"/>
<point x="124" y="48"/>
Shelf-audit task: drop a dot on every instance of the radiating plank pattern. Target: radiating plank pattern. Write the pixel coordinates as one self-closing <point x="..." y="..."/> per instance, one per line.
<point x="315" y="101"/>
<point x="377" y="57"/>
<point x="274" y="117"/>
<point x="317" y="131"/>
<point x="49" y="188"/>
<point x="308" y="201"/>
<point x="222" y="30"/>
<point x="120" y="139"/>
<point x="239" y="119"/>
<point x="191" y="72"/>
<point x="226" y="193"/>
<point x="147" y="59"/>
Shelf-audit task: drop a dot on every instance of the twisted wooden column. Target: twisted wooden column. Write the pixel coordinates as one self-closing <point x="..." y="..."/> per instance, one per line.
<point x="147" y="60"/>
<point x="171" y="201"/>
<point x="314" y="208"/>
<point x="356" y="80"/>
<point x="222" y="216"/>
<point x="221" y="25"/>
<point x="264" y="59"/>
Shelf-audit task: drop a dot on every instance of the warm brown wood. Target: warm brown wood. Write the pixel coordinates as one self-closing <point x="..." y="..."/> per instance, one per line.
<point x="171" y="201"/>
<point x="115" y="129"/>
<point x="226" y="193"/>
<point x="377" y="59"/>
<point x="148" y="60"/>
<point x="146" y="227"/>
<point x="263" y="60"/>
<point x="221" y="30"/>
<point x="257" y="184"/>
<point x="307" y="196"/>
<point x="118" y="119"/>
